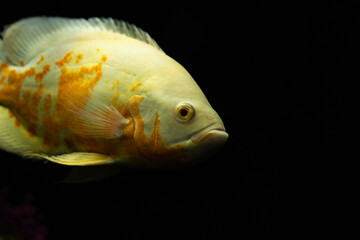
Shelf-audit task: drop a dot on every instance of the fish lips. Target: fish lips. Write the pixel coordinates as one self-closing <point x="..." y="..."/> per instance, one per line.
<point x="211" y="133"/>
<point x="206" y="142"/>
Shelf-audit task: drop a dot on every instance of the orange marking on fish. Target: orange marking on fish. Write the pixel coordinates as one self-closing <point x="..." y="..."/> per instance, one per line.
<point x="78" y="58"/>
<point x="40" y="60"/>
<point x="4" y="67"/>
<point x="127" y="142"/>
<point x="11" y="115"/>
<point x="115" y="84"/>
<point x="23" y="102"/>
<point x="17" y="123"/>
<point x="115" y="99"/>
<point x="80" y="77"/>
<point x="65" y="60"/>
<point x="153" y="147"/>
<point x="73" y="85"/>
<point x="33" y="108"/>
<point x="27" y="106"/>
<point x="69" y="142"/>
<point x="51" y="124"/>
<point x="104" y="146"/>
<point x="135" y="86"/>
<point x="104" y="58"/>
<point x="11" y="89"/>
<point x="39" y="76"/>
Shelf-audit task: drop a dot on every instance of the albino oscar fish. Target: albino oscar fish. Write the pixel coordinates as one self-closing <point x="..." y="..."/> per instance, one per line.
<point x="100" y="91"/>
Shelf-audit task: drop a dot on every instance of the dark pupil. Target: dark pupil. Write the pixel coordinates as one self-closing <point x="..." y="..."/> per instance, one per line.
<point x="183" y="112"/>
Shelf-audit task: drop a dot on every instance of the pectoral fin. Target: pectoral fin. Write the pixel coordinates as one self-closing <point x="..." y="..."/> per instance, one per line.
<point x="102" y="122"/>
<point x="76" y="158"/>
<point x="92" y="118"/>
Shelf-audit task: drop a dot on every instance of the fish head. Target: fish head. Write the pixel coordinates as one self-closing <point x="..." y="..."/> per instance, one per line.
<point x="198" y="128"/>
<point x="176" y="125"/>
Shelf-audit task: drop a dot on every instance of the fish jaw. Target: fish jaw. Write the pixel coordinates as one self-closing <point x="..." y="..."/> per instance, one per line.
<point x="153" y="148"/>
<point x="205" y="143"/>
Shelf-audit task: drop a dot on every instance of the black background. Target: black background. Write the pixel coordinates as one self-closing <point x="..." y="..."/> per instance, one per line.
<point x="274" y="72"/>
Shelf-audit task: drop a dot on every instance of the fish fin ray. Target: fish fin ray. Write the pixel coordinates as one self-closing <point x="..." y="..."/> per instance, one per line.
<point x="27" y="38"/>
<point x="94" y="119"/>
<point x="74" y="159"/>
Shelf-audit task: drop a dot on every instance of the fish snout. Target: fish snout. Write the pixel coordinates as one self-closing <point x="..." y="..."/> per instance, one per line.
<point x="206" y="142"/>
<point x="214" y="133"/>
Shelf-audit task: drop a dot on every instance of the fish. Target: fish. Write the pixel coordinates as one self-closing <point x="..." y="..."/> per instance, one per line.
<point x="100" y="91"/>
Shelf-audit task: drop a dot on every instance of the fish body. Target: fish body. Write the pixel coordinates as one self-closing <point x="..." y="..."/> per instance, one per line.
<point x="99" y="91"/>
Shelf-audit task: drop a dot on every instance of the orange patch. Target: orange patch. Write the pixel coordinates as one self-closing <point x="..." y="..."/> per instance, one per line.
<point x="50" y="123"/>
<point x="153" y="147"/>
<point x="115" y="99"/>
<point x="11" y="114"/>
<point x="135" y="86"/>
<point x="73" y="86"/>
<point x="104" y="58"/>
<point x="4" y="67"/>
<point x="23" y="103"/>
<point x="40" y="75"/>
<point x="113" y="86"/>
<point x="40" y="60"/>
<point x="17" y="122"/>
<point x="78" y="58"/>
<point x="65" y="60"/>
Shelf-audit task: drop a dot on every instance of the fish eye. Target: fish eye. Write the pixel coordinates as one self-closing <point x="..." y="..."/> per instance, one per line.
<point x="184" y="111"/>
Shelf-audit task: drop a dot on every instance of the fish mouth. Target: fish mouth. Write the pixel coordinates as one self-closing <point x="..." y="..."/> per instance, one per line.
<point x="214" y="131"/>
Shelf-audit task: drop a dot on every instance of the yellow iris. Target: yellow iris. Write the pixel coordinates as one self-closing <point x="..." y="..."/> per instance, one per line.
<point x="184" y="111"/>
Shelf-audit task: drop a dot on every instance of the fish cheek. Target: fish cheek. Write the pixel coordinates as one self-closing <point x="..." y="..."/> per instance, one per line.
<point x="153" y="147"/>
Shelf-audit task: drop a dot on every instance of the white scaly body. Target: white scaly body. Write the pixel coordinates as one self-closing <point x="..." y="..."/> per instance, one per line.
<point x="100" y="91"/>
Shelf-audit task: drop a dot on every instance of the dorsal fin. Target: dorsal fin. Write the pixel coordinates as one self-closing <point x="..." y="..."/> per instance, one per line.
<point x="28" y="37"/>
